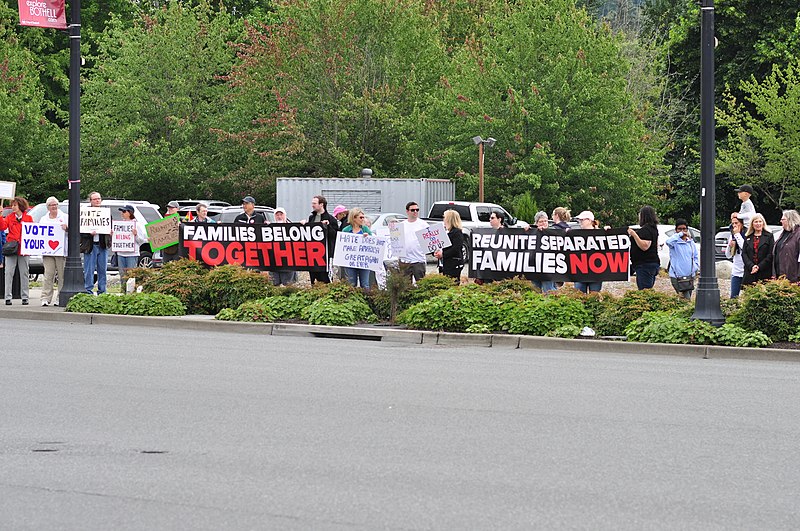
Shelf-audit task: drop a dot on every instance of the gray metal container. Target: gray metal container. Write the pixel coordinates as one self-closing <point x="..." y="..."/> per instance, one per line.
<point x="372" y="195"/>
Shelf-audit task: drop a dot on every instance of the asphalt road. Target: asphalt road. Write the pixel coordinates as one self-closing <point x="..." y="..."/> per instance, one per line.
<point x="107" y="427"/>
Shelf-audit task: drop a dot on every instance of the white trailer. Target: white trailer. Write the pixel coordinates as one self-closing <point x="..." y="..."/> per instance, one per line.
<point x="373" y="195"/>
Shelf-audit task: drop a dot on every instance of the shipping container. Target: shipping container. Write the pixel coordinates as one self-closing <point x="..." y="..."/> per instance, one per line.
<point x="373" y="195"/>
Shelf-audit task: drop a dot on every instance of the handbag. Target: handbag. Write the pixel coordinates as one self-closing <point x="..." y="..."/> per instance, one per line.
<point x="10" y="248"/>
<point x="685" y="283"/>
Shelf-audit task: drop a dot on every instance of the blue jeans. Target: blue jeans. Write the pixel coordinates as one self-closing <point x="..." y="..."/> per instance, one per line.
<point x="123" y="264"/>
<point x="736" y="286"/>
<point x="646" y="274"/>
<point x="96" y="260"/>
<point x="545" y="285"/>
<point x="586" y="287"/>
<point x="355" y="276"/>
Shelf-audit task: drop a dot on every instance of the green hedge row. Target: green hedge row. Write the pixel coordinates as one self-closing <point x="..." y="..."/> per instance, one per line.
<point x="764" y="313"/>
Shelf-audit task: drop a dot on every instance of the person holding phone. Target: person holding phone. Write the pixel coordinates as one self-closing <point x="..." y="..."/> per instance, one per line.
<point x="684" y="259"/>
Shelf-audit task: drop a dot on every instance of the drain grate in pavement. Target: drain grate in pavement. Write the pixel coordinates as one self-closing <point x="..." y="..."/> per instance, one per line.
<point x="153" y="452"/>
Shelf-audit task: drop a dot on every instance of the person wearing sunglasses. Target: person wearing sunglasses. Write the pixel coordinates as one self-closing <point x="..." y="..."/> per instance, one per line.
<point x="684" y="259"/>
<point x="357" y="225"/>
<point x="412" y="261"/>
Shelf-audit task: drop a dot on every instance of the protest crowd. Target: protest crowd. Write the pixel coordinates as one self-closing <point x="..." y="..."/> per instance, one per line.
<point x="342" y="245"/>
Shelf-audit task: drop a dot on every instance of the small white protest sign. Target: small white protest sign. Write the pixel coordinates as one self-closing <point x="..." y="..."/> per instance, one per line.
<point x="397" y="241"/>
<point x="122" y="238"/>
<point x="433" y="238"/>
<point x="359" y="251"/>
<point x="97" y="219"/>
<point x="44" y="240"/>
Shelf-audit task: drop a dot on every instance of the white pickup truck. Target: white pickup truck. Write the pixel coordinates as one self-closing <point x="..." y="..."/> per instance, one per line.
<point x="473" y="215"/>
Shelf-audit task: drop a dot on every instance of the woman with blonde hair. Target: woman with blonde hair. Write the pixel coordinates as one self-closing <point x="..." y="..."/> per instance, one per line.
<point x="787" y="248"/>
<point x="757" y="251"/>
<point x="358" y="225"/>
<point x="451" y="259"/>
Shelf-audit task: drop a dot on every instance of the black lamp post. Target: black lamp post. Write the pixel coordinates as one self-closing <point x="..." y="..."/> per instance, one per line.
<point x="72" y="282"/>
<point x="707" y="303"/>
<point x="480" y="142"/>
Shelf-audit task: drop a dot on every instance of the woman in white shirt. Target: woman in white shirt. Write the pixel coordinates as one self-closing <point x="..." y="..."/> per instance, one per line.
<point x="734" y="250"/>
<point x="53" y="264"/>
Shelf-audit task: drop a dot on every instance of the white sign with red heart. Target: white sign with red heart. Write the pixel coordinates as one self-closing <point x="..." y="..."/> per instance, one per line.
<point x="45" y="240"/>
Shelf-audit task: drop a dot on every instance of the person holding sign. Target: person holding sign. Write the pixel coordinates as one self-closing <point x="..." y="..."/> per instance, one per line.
<point x="452" y="259"/>
<point x="129" y="259"/>
<point x="356" y="276"/>
<point x="168" y="254"/>
<point x="53" y="264"/>
<point x="12" y="248"/>
<point x="95" y="247"/>
<point x="412" y="261"/>
<point x="542" y="223"/>
<point x="587" y="221"/>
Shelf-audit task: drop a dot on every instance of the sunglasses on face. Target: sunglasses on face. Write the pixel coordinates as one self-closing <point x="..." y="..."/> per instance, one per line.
<point x="413" y="210"/>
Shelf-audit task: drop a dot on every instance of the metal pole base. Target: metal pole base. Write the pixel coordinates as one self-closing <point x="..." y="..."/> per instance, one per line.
<point x="73" y="281"/>
<point x="706" y="307"/>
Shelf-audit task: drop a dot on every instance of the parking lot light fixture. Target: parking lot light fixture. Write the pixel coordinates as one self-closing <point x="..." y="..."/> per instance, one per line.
<point x="480" y="142"/>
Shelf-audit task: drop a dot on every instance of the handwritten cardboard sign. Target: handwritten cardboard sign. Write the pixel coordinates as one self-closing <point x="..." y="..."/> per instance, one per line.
<point x="44" y="240"/>
<point x="397" y="241"/>
<point x="97" y="219"/>
<point x="359" y="251"/>
<point x="122" y="238"/>
<point x="433" y="238"/>
<point x="164" y="232"/>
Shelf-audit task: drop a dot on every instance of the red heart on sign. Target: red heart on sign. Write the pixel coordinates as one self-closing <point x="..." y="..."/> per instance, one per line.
<point x="53" y="244"/>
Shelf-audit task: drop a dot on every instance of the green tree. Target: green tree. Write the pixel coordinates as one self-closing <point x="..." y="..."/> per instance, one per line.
<point x="550" y="84"/>
<point x="32" y="149"/>
<point x="151" y="101"/>
<point x="763" y="145"/>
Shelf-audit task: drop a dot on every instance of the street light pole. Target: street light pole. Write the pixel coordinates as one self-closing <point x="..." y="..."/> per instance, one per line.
<point x="480" y="142"/>
<point x="707" y="306"/>
<point x="72" y="282"/>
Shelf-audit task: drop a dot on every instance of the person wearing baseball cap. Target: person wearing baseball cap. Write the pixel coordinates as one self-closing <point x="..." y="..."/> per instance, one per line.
<point x="249" y="215"/>
<point x="587" y="221"/>
<point x="168" y="254"/>
<point x="747" y="210"/>
<point x="282" y="277"/>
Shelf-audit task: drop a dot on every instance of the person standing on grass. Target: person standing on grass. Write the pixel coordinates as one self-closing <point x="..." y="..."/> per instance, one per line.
<point x="53" y="265"/>
<point x="644" y="248"/>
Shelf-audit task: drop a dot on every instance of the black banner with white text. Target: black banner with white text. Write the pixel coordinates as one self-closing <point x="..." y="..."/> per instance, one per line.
<point x="574" y="256"/>
<point x="265" y="247"/>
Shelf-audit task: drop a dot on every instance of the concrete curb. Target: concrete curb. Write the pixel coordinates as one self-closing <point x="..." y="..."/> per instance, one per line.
<point x="413" y="337"/>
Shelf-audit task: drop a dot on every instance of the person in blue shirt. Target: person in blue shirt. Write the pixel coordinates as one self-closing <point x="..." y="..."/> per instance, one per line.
<point x="684" y="259"/>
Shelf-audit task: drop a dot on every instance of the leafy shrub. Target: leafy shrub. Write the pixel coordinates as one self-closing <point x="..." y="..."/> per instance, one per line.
<point x="227" y="314"/>
<point x="729" y="306"/>
<point x="632" y="306"/>
<point x="736" y="336"/>
<point x="133" y="304"/>
<point x="86" y="303"/>
<point x="509" y="286"/>
<point x="151" y="304"/>
<point x="770" y="307"/>
<point x="331" y="313"/>
<point x="254" y="311"/>
<point x="454" y="310"/>
<point x="566" y="331"/>
<point x="478" y="329"/>
<point x="538" y="316"/>
<point x="666" y="327"/>
<point x="228" y="286"/>
<point x="380" y="301"/>
<point x="427" y="288"/>
<point x="184" y="279"/>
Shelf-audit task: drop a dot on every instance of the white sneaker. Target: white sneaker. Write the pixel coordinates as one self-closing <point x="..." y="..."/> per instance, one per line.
<point x="55" y="302"/>
<point x="45" y="303"/>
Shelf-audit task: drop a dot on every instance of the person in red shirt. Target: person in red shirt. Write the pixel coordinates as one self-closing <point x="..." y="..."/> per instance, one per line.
<point x="13" y="223"/>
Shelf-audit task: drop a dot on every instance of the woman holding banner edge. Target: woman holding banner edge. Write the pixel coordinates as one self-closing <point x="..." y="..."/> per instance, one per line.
<point x="356" y="276"/>
<point x="13" y="222"/>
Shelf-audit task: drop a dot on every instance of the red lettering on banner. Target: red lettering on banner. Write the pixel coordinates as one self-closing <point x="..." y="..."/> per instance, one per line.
<point x="315" y="251"/>
<point x="192" y="246"/>
<point x="578" y="263"/>
<point x="598" y="262"/>
<point x="283" y="254"/>
<point x="300" y="257"/>
<point x="618" y="262"/>
<point x="234" y="254"/>
<point x="219" y="253"/>
<point x="251" y="254"/>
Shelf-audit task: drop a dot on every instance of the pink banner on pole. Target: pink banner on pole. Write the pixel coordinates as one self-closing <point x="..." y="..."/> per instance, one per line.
<point x="43" y="13"/>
